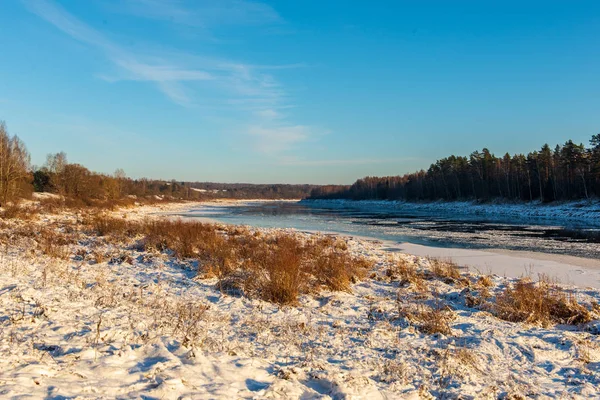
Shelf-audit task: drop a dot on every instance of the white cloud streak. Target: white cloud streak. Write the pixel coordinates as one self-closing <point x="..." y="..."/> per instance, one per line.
<point x="276" y="139"/>
<point x="165" y="76"/>
<point x="242" y="87"/>
<point x="202" y="13"/>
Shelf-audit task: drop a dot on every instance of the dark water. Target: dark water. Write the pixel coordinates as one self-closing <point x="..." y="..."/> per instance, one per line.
<point x="414" y="225"/>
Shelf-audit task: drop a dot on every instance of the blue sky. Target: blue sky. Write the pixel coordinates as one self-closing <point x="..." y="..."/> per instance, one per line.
<point x="294" y="91"/>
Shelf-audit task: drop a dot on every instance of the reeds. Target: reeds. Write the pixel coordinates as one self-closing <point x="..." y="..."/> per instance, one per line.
<point x="277" y="268"/>
<point x="539" y="302"/>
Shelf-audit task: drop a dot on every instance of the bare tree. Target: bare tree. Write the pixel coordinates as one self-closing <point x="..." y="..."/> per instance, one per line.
<point x="14" y="164"/>
<point x="121" y="177"/>
<point x="56" y="164"/>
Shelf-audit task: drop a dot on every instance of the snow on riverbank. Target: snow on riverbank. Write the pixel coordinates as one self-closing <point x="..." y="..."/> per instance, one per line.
<point x="569" y="270"/>
<point x="143" y="325"/>
<point x="588" y="211"/>
<point x="578" y="271"/>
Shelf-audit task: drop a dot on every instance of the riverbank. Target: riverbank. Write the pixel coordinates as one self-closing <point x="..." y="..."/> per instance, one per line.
<point x="102" y="317"/>
<point x="578" y="271"/>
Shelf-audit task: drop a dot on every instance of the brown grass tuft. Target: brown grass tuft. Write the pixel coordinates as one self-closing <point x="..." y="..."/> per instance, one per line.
<point x="485" y="281"/>
<point x="54" y="244"/>
<point x="436" y="320"/>
<point x="283" y="269"/>
<point x="18" y="211"/>
<point x="408" y="275"/>
<point x="430" y="320"/>
<point x="276" y="268"/>
<point x="539" y="303"/>
<point x="446" y="270"/>
<point x="104" y="225"/>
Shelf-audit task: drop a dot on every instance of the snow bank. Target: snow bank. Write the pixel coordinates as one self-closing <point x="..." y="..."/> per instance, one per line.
<point x="149" y="328"/>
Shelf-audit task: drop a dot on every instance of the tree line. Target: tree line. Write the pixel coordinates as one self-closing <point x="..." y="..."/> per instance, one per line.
<point x="19" y="179"/>
<point x="567" y="172"/>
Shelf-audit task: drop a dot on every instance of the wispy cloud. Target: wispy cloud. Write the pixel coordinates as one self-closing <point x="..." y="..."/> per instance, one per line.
<point x="166" y="76"/>
<point x="241" y="87"/>
<point x="202" y="13"/>
<point x="269" y="113"/>
<point x="275" y="139"/>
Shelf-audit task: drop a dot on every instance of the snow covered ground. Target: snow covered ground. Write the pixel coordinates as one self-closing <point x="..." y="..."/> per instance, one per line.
<point x="575" y="271"/>
<point x="137" y="324"/>
<point x="572" y="270"/>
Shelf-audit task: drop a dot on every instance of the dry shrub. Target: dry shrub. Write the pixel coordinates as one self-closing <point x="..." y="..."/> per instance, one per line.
<point x="191" y="321"/>
<point x="155" y="238"/>
<point x="279" y="268"/>
<point x="54" y="244"/>
<point x="98" y="256"/>
<point x="478" y="299"/>
<point x="276" y="268"/>
<point x="121" y="258"/>
<point x="539" y="303"/>
<point x="333" y="267"/>
<point x="283" y="271"/>
<point x="50" y="205"/>
<point x="466" y="357"/>
<point x="485" y="281"/>
<point x="77" y="204"/>
<point x="430" y="320"/>
<point x="104" y="225"/>
<point x="407" y="274"/>
<point x="436" y="320"/>
<point x="185" y="239"/>
<point x="446" y="270"/>
<point x="394" y="371"/>
<point x="17" y="211"/>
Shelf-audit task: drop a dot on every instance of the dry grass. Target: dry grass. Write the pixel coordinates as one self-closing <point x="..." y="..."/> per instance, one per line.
<point x="283" y="268"/>
<point x="280" y="268"/>
<point x="539" y="302"/>
<point x="436" y="320"/>
<point x="333" y="267"/>
<point x="19" y="211"/>
<point x="446" y="270"/>
<point x="485" y="281"/>
<point x="104" y="225"/>
<point x="466" y="357"/>
<point x="408" y="275"/>
<point x="277" y="268"/>
<point x="54" y="243"/>
<point x="428" y="319"/>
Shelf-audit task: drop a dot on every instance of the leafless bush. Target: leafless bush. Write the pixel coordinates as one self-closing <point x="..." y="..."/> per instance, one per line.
<point x="542" y="302"/>
<point x="54" y="244"/>
<point x="333" y="267"/>
<point x="104" y="225"/>
<point x="394" y="371"/>
<point x="283" y="269"/>
<point x="408" y="275"/>
<point x="436" y="320"/>
<point x="189" y="323"/>
<point x="428" y="319"/>
<point x="485" y="281"/>
<point x="18" y="211"/>
<point x="276" y="268"/>
<point x="446" y="270"/>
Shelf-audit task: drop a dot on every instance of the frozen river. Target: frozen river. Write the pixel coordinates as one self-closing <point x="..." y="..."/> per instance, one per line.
<point x="417" y="225"/>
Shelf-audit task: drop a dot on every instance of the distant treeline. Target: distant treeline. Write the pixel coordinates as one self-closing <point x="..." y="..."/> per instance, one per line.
<point x="567" y="172"/>
<point x="18" y="179"/>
